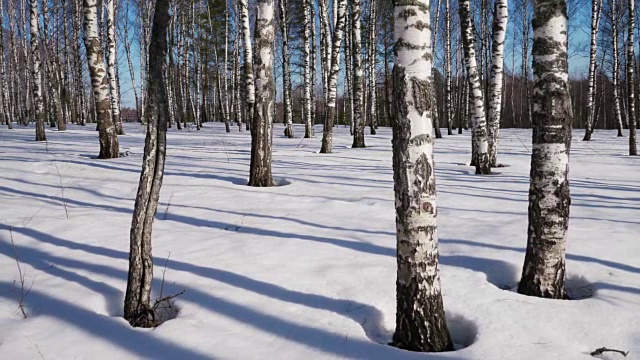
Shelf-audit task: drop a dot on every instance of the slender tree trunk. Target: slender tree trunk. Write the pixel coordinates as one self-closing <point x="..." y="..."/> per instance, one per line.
<point x="373" y="103"/>
<point x="308" y="68"/>
<point x="137" y="308"/>
<point x="356" y="60"/>
<point x="500" y="18"/>
<point x="5" y="118"/>
<point x="420" y="317"/>
<point x="109" y="147"/>
<point x="543" y="273"/>
<point x="35" y="72"/>
<point x="286" y="74"/>
<point x="262" y="125"/>
<point x="248" y="60"/>
<point x="312" y="18"/>
<point x="616" y="68"/>
<point x="111" y="65"/>
<point x="327" y="136"/>
<point x="348" y="62"/>
<point x="596" y="10"/>
<point x="447" y="67"/>
<point x="631" y="108"/>
<point x="479" y="121"/>
<point x="434" y="107"/>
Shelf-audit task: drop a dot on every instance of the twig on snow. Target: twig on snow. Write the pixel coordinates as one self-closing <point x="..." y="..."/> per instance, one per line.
<point x="21" y="276"/>
<point x="602" y="350"/>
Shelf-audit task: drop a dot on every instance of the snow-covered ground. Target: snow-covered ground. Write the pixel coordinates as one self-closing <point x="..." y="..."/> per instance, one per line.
<point x="306" y="270"/>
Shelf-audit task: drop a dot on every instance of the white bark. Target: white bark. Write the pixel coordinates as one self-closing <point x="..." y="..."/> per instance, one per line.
<point x="616" y="67"/>
<point x="332" y="81"/>
<point x="356" y="59"/>
<point x="420" y="318"/>
<point x="308" y="68"/>
<point x="5" y="118"/>
<point x="262" y="128"/>
<point x="111" y="65"/>
<point x="373" y="107"/>
<point x="447" y="67"/>
<point x="631" y="80"/>
<point x="35" y="72"/>
<point x="596" y="11"/>
<point x="543" y="272"/>
<point x="500" y="18"/>
<point x="248" y="59"/>
<point x="109" y="147"/>
<point x="479" y="119"/>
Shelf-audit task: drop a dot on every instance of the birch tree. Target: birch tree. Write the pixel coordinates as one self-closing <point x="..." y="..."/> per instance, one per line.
<point x="596" y="10"/>
<point x="356" y="60"/>
<point x="248" y="60"/>
<point x="262" y="125"/>
<point x="332" y="79"/>
<point x="616" y="68"/>
<point x="420" y="317"/>
<point x="112" y="64"/>
<point x="373" y="123"/>
<point x="35" y="72"/>
<point x="500" y="18"/>
<point x="543" y="273"/>
<point x="4" y="106"/>
<point x="308" y="68"/>
<point x="137" y="307"/>
<point x="447" y="67"/>
<point x="631" y="80"/>
<point x="481" y="156"/>
<point x="109" y="147"/>
<point x="286" y="73"/>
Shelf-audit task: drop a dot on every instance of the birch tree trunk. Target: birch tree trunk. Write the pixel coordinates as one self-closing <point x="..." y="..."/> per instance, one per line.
<point x="631" y="107"/>
<point x="35" y="72"/>
<point x="348" y="62"/>
<point x="286" y="73"/>
<point x="479" y="120"/>
<point x="420" y="317"/>
<point x="372" y="67"/>
<point x="616" y="68"/>
<point x="111" y="65"/>
<point x="109" y="147"/>
<point x="5" y="118"/>
<point x="434" y="108"/>
<point x="262" y="125"/>
<point x="80" y="95"/>
<point x="447" y="67"/>
<point x="308" y="68"/>
<point x="596" y="10"/>
<point x="137" y="308"/>
<point x="248" y="60"/>
<point x="327" y="135"/>
<point x="543" y="273"/>
<point x="325" y="51"/>
<point x="500" y="19"/>
<point x="356" y="59"/>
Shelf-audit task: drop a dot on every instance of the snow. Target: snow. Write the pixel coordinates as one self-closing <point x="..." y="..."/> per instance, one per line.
<point x="306" y="270"/>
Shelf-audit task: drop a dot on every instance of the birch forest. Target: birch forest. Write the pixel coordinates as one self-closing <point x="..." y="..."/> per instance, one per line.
<point x="331" y="61"/>
<point x="319" y="179"/>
